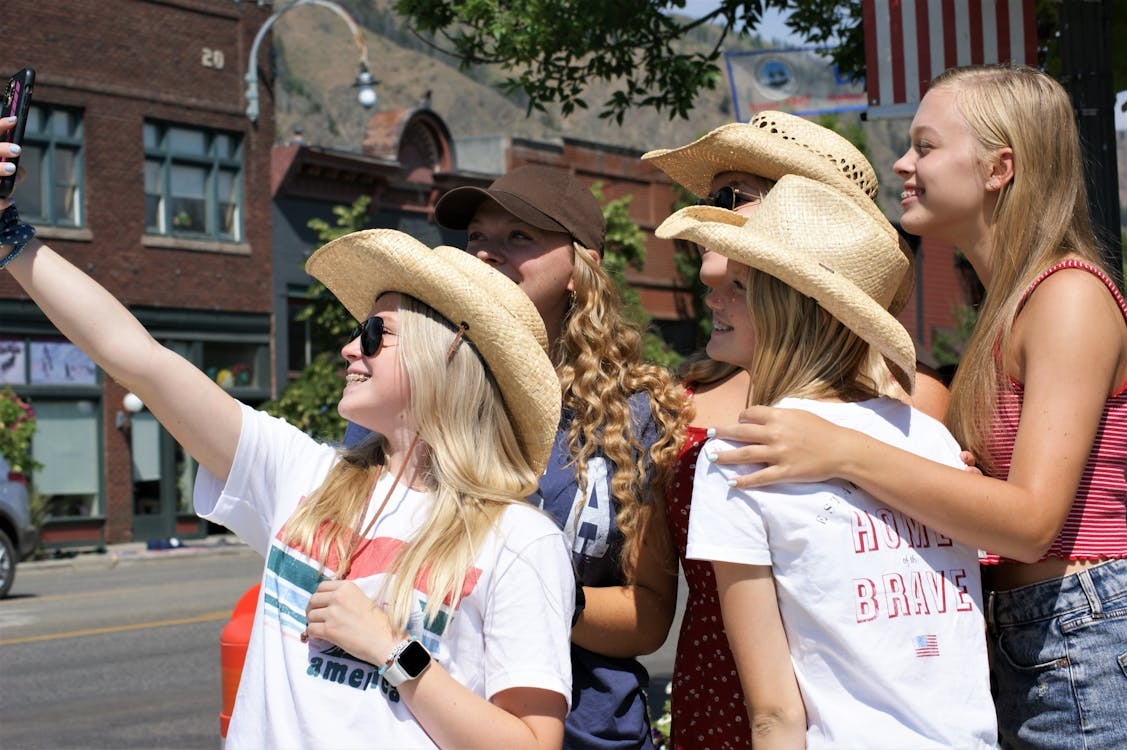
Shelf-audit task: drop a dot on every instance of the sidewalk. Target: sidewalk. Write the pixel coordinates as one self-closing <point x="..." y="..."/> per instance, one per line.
<point x="113" y="554"/>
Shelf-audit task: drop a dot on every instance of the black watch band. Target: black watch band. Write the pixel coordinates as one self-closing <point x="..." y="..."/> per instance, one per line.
<point x="580" y="603"/>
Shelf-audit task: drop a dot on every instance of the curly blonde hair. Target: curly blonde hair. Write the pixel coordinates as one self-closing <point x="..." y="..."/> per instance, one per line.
<point x="599" y="361"/>
<point x="475" y="467"/>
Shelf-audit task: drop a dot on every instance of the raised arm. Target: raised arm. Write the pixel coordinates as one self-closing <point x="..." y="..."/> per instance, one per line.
<point x="199" y="414"/>
<point x="1070" y="319"/>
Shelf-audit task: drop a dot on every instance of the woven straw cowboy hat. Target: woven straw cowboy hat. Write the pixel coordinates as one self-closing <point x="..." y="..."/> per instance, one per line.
<point x="501" y="321"/>
<point x="774" y="144"/>
<point x="771" y="145"/>
<point x="822" y="244"/>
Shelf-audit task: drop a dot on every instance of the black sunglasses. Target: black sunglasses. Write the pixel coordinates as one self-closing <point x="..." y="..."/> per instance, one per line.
<point x="370" y="333"/>
<point x="730" y="198"/>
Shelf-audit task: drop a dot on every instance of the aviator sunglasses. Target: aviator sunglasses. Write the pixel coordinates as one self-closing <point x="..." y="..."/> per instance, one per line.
<point x="730" y="198"/>
<point x="370" y="333"/>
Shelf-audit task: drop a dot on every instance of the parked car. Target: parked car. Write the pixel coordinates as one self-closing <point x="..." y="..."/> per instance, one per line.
<point x="17" y="536"/>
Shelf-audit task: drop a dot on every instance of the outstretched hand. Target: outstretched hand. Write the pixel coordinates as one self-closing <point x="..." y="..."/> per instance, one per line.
<point x="795" y="445"/>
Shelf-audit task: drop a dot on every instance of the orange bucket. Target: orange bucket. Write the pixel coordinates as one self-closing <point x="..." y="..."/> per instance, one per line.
<point x="233" y="640"/>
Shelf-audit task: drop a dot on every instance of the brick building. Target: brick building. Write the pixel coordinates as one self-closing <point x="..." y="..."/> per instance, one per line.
<point x="143" y="169"/>
<point x="409" y="160"/>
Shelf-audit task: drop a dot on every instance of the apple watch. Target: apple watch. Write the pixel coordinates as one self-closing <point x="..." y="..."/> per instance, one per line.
<point x="406" y="661"/>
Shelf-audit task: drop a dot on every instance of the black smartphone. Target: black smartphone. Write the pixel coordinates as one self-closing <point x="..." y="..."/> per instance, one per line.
<point x="17" y="101"/>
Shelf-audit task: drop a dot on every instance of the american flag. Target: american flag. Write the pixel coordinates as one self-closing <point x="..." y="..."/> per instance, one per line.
<point x="927" y="645"/>
<point x="909" y="42"/>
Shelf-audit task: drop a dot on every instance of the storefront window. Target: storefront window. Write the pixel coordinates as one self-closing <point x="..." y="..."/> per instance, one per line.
<point x="67" y="445"/>
<point x="60" y="363"/>
<point x="237" y="365"/>
<point x="154" y="454"/>
<point x="13" y="361"/>
<point x="145" y="456"/>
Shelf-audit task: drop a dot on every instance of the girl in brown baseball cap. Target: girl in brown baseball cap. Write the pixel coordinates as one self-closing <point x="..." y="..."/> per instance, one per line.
<point x="621" y="430"/>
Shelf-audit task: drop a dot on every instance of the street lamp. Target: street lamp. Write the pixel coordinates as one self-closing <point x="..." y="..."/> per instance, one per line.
<point x="132" y="404"/>
<point x="365" y="82"/>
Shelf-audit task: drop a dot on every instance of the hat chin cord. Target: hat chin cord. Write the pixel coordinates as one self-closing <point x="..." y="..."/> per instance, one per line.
<point x="363" y="534"/>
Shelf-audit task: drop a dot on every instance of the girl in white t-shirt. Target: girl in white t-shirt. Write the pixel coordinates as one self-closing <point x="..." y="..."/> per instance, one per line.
<point x="852" y="625"/>
<point x="411" y="597"/>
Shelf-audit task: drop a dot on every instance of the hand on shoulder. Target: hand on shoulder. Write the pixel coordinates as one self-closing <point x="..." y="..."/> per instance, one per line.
<point x="796" y="446"/>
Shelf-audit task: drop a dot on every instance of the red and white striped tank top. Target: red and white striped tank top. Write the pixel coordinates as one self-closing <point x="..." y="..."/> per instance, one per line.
<point x="1096" y="526"/>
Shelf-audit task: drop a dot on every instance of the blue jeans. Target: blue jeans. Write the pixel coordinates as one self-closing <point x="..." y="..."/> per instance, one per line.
<point x="1058" y="653"/>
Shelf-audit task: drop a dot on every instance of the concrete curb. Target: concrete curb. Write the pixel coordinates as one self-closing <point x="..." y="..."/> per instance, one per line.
<point x="129" y="552"/>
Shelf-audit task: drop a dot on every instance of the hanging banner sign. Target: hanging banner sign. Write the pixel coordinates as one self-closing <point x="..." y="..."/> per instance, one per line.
<point x="800" y="80"/>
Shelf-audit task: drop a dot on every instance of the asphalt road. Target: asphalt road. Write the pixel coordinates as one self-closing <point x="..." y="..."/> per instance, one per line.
<point x="98" y="653"/>
<point x="121" y="650"/>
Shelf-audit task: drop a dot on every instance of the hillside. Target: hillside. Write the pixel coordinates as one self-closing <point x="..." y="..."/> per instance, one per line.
<point x="317" y="62"/>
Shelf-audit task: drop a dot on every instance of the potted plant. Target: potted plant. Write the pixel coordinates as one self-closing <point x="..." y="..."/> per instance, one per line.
<point x="17" y="425"/>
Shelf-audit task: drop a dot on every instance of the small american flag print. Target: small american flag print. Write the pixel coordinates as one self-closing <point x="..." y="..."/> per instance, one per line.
<point x="927" y="645"/>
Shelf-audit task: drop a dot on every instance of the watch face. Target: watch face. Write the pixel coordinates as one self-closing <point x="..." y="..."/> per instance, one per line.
<point x="414" y="659"/>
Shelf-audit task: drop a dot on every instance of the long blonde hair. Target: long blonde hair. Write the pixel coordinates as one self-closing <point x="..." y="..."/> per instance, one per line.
<point x="800" y="349"/>
<point x="599" y="361"/>
<point x="1041" y="217"/>
<point x="474" y="468"/>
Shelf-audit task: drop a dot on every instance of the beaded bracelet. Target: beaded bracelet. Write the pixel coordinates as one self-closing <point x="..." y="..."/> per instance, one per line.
<point x="14" y="232"/>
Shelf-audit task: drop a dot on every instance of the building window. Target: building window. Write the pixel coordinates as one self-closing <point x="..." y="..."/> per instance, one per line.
<point x="64" y="388"/>
<point x="44" y="362"/>
<point x="193" y="182"/>
<point x="51" y="190"/>
<point x="236" y="365"/>
<point x="305" y="339"/>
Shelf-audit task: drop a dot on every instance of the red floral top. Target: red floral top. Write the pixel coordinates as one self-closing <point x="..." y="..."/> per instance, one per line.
<point x="707" y="704"/>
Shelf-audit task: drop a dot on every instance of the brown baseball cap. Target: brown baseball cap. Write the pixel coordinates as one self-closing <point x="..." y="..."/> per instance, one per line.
<point x="547" y="198"/>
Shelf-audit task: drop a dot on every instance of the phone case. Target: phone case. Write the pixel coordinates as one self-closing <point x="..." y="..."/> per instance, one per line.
<point x="17" y="102"/>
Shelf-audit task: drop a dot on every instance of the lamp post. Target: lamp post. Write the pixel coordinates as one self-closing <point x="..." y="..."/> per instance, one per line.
<point x="132" y="404"/>
<point x="365" y="82"/>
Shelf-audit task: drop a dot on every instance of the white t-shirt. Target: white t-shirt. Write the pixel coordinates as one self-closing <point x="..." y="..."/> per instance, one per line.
<point x="883" y="615"/>
<point x="511" y="629"/>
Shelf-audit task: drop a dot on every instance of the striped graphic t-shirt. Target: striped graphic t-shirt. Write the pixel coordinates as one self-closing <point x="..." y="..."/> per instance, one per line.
<point x="1096" y="526"/>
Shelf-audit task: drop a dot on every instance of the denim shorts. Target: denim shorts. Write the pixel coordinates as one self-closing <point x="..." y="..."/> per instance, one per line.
<point x="1058" y="660"/>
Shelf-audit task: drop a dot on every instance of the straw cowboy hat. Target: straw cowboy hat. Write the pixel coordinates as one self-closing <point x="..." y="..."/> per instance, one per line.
<point x="774" y="144"/>
<point x="822" y="244"/>
<point x="771" y="145"/>
<point x="501" y="321"/>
